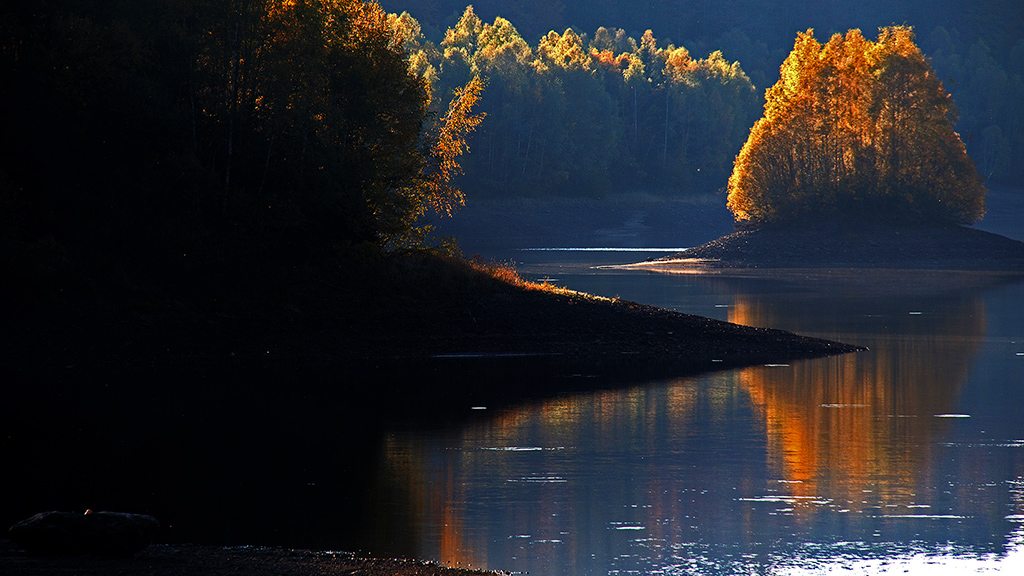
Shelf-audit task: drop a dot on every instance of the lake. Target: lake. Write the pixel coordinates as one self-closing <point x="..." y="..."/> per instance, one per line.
<point x="909" y="457"/>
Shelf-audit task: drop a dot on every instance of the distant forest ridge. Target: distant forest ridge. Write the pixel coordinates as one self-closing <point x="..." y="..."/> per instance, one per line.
<point x="575" y="115"/>
<point x="976" y="48"/>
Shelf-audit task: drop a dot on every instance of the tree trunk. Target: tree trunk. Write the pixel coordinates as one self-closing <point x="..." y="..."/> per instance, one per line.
<point x="634" y="120"/>
<point x="529" y="143"/>
<point x="232" y="108"/>
<point x="664" y="151"/>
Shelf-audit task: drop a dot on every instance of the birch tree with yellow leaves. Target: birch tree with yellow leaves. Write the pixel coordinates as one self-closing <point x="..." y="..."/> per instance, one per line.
<point x="856" y="128"/>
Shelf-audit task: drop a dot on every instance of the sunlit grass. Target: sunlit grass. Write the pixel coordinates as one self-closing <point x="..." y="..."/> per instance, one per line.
<point x="506" y="272"/>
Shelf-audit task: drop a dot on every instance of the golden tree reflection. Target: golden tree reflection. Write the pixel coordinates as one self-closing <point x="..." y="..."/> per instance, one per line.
<point x="733" y="457"/>
<point x="855" y="430"/>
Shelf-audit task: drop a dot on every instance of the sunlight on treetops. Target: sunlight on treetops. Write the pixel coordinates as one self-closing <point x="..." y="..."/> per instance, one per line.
<point x="856" y="127"/>
<point x="678" y="60"/>
<point x="564" y="51"/>
<point x="500" y="48"/>
<point x="658" y="112"/>
<point x="465" y="32"/>
<point x="406" y="30"/>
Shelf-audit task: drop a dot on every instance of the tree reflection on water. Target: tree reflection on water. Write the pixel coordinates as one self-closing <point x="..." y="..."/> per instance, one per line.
<point x="858" y="429"/>
<point x="837" y="457"/>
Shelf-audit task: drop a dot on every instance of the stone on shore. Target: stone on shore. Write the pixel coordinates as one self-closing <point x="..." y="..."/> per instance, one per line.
<point x="71" y="534"/>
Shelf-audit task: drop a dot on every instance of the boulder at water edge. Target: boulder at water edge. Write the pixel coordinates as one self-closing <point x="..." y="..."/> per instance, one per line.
<point x="69" y="533"/>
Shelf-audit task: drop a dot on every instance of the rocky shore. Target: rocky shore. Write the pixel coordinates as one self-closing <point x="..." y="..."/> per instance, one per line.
<point x="192" y="560"/>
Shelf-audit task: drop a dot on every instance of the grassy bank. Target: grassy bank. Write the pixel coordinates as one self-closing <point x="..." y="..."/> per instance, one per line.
<point x="402" y="307"/>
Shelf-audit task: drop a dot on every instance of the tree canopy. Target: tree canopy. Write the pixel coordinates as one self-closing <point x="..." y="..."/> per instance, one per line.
<point x="856" y="127"/>
<point x="976" y="48"/>
<point x="202" y="132"/>
<point x="579" y="114"/>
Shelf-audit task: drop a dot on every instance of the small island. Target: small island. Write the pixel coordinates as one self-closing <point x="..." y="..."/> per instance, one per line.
<point x="855" y="164"/>
<point x="853" y="245"/>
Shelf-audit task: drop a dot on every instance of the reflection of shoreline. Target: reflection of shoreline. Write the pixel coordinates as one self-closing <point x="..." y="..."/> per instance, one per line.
<point x="515" y="486"/>
<point x="730" y="460"/>
<point x="555" y="504"/>
<point x="846" y="282"/>
<point x="690" y="471"/>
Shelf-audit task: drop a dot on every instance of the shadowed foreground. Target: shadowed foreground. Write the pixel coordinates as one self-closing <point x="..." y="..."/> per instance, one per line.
<point x="409" y="308"/>
<point x="241" y="418"/>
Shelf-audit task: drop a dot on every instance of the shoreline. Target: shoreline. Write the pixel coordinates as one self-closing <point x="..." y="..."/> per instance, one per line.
<point x="196" y="560"/>
<point x="850" y="281"/>
<point x="907" y="248"/>
<point x="412" y="309"/>
<point x="151" y="392"/>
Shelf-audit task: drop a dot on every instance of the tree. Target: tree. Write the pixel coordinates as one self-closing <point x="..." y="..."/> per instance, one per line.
<point x="434" y="189"/>
<point x="572" y="115"/>
<point x="856" y="127"/>
<point x="330" y="128"/>
<point x="449" y="144"/>
<point x="236" y="134"/>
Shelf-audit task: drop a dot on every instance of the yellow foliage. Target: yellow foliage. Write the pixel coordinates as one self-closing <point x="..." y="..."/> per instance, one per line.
<point x="455" y="128"/>
<point x="465" y="32"/>
<point x="565" y="51"/>
<point x="856" y="126"/>
<point x="678" y="64"/>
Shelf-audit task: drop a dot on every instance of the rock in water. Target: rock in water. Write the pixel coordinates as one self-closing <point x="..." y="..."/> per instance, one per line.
<point x="69" y="533"/>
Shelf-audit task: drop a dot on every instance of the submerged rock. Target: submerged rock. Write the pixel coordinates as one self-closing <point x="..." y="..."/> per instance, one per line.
<point x="100" y="533"/>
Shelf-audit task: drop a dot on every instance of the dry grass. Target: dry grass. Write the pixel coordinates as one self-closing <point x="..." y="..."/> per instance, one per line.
<point x="503" y="271"/>
<point x="506" y="272"/>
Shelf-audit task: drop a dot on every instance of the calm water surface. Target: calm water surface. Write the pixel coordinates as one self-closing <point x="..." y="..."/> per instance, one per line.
<point x="909" y="457"/>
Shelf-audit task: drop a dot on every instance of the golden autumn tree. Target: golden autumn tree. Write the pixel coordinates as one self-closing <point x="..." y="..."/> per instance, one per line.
<point x="330" y="136"/>
<point x="337" y="127"/>
<point x="856" y="127"/>
<point x="453" y="131"/>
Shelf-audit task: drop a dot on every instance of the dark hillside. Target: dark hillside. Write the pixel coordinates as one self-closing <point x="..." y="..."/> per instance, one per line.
<point x="154" y="393"/>
<point x="413" y="307"/>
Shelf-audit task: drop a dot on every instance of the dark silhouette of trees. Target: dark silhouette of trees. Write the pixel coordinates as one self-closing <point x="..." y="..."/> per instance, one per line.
<point x="856" y="127"/>
<point x="186" y="134"/>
